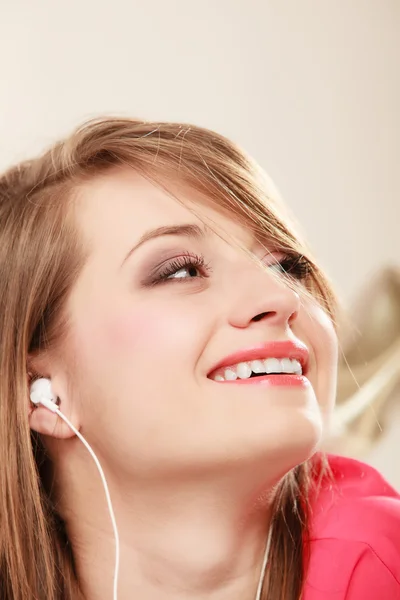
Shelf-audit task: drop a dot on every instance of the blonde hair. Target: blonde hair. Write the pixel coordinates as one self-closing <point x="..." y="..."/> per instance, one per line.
<point x="40" y="259"/>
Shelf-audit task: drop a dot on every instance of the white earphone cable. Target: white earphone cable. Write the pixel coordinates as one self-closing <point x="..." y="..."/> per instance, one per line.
<point x="264" y="564"/>
<point x="108" y="498"/>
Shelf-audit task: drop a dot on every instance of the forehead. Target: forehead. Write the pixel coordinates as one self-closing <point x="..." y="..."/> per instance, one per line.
<point x="120" y="207"/>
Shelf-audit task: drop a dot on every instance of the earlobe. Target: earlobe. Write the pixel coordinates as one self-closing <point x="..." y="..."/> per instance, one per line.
<point x="45" y="422"/>
<point x="42" y="418"/>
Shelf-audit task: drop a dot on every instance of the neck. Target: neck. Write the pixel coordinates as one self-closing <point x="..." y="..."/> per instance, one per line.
<point x="197" y="539"/>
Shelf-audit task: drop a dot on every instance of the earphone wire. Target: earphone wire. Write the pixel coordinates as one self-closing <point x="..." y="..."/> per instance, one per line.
<point x="264" y="565"/>
<point x="108" y="497"/>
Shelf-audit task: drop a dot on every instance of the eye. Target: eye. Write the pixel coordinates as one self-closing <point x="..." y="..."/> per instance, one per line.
<point x="183" y="268"/>
<point x="293" y="265"/>
<point x="187" y="272"/>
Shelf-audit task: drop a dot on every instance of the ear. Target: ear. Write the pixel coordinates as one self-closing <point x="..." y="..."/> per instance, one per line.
<point x="45" y="422"/>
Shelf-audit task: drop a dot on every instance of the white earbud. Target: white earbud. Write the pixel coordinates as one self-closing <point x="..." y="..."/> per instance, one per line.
<point x="41" y="393"/>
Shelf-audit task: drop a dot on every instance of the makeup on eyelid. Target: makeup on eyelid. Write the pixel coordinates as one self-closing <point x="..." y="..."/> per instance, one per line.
<point x="196" y="267"/>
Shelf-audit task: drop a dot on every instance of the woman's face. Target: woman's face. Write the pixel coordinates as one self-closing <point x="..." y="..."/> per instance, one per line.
<point x="161" y="303"/>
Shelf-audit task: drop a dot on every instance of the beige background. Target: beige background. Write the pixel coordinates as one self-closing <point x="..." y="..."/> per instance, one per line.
<point x="311" y="88"/>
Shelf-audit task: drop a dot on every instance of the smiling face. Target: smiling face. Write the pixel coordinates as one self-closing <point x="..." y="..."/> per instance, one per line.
<point x="158" y="320"/>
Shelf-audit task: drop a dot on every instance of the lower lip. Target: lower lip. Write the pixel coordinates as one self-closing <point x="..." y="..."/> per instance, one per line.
<point x="272" y="380"/>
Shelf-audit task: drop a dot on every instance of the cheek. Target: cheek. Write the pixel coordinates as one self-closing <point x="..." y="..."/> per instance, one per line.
<point x="320" y="334"/>
<point x="133" y="333"/>
<point x="143" y="338"/>
<point x="137" y="362"/>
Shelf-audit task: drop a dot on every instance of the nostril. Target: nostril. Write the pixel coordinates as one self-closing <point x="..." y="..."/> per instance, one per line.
<point x="262" y="316"/>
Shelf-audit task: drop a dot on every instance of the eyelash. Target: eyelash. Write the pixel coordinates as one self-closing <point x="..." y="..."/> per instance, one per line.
<point x="295" y="266"/>
<point x="292" y="265"/>
<point x="186" y="261"/>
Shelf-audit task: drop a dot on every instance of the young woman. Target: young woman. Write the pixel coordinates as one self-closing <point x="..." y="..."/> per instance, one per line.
<point x="150" y="276"/>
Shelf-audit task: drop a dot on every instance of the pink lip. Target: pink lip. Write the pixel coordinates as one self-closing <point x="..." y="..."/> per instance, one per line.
<point x="284" y="380"/>
<point x="283" y="349"/>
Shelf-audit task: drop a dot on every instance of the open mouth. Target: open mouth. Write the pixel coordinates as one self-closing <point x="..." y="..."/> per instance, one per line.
<point x="258" y="368"/>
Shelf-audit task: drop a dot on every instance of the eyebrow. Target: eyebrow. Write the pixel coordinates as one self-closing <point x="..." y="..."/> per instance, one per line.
<point x="189" y="230"/>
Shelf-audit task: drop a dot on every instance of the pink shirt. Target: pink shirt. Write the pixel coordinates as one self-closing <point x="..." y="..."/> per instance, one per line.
<point x="355" y="537"/>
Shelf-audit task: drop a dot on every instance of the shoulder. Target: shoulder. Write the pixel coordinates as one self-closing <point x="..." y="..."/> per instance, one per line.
<point x="355" y="533"/>
<point x="350" y="570"/>
<point x="356" y="503"/>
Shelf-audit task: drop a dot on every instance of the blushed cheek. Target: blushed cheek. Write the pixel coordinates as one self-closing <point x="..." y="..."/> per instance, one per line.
<point x="130" y="331"/>
<point x="150" y="333"/>
<point x="103" y="337"/>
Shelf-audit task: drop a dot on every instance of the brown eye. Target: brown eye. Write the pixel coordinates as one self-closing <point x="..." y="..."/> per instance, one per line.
<point x="293" y="265"/>
<point x="183" y="268"/>
<point x="185" y="273"/>
<point x="296" y="266"/>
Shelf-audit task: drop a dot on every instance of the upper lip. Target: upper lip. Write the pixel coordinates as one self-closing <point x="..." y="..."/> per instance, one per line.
<point x="278" y="349"/>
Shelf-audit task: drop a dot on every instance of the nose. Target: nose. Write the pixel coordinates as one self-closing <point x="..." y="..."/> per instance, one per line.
<point x="264" y="296"/>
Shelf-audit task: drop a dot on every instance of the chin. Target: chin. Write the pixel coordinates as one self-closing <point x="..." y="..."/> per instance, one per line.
<point x="286" y="440"/>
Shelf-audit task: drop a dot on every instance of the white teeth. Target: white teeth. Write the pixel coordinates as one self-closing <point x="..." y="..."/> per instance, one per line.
<point x="257" y="366"/>
<point x="272" y="365"/>
<point x="230" y="375"/>
<point x="243" y="370"/>
<point x="297" y="369"/>
<point x="287" y="366"/>
<point x="219" y="378"/>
